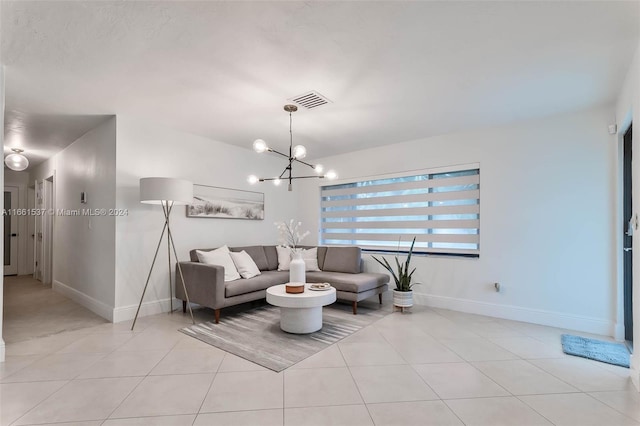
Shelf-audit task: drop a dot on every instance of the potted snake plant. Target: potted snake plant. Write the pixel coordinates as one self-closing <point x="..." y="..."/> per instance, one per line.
<point x="402" y="294"/>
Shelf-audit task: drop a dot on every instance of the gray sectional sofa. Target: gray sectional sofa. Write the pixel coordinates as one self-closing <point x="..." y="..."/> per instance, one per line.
<point x="339" y="266"/>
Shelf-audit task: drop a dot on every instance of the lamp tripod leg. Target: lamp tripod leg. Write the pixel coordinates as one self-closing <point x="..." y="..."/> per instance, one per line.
<point x="166" y="218"/>
<point x="184" y="287"/>
<point x="155" y="256"/>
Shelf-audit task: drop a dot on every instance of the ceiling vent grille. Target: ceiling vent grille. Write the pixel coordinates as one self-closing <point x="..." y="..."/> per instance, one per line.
<point x="310" y="100"/>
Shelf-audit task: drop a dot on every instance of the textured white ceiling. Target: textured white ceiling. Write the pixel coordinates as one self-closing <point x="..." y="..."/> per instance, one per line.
<point x="395" y="71"/>
<point x="42" y="136"/>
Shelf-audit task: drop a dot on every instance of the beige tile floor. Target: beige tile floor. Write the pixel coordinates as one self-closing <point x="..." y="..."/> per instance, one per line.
<point x="32" y="309"/>
<point x="423" y="367"/>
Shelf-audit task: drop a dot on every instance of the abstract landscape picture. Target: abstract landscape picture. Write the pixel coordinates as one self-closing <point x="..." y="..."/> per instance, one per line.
<point x="212" y="201"/>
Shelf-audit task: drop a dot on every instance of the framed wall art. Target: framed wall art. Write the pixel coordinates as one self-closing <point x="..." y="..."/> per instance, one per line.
<point x="225" y="203"/>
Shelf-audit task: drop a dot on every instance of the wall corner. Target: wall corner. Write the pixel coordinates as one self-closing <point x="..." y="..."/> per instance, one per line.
<point x="634" y="371"/>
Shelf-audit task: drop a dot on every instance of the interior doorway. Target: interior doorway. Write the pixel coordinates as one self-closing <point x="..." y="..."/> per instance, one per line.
<point x="37" y="254"/>
<point x="47" y="242"/>
<point x="627" y="241"/>
<point x="10" y="230"/>
<point x="43" y="230"/>
<point x="31" y="231"/>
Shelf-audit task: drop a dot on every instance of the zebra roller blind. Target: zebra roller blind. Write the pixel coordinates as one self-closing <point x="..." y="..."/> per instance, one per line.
<point x="442" y="210"/>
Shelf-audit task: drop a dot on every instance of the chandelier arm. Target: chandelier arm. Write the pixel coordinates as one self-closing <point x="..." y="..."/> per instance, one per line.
<point x="308" y="177"/>
<point x="295" y="177"/>
<point x="284" y="171"/>
<point x="272" y="178"/>
<point x="278" y="152"/>
<point x="305" y="163"/>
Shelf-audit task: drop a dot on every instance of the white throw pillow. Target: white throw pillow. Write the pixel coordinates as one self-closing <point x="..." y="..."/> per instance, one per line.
<point x="310" y="257"/>
<point x="245" y="264"/>
<point x="284" y="258"/>
<point x="221" y="257"/>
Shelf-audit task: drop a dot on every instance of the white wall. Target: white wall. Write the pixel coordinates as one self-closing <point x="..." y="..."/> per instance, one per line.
<point x="545" y="217"/>
<point x="2" y="346"/>
<point x="149" y="149"/>
<point x="21" y="181"/>
<point x="628" y="110"/>
<point x="84" y="246"/>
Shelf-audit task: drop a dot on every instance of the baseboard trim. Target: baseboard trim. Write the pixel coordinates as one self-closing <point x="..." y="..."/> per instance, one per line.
<point x="94" y="305"/>
<point x="517" y="313"/>
<point x="618" y="332"/>
<point x="125" y="313"/>
<point x="634" y="371"/>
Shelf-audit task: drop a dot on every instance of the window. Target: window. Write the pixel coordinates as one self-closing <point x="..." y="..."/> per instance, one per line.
<point x="442" y="210"/>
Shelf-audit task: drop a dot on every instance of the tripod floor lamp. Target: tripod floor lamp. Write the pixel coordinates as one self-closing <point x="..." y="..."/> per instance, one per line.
<point x="167" y="192"/>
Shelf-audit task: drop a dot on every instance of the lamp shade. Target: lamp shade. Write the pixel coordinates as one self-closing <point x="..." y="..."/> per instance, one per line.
<point x="155" y="190"/>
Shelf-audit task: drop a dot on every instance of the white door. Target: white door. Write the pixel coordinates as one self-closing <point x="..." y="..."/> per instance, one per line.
<point x="37" y="253"/>
<point x="31" y="232"/>
<point x="10" y="230"/>
<point x="47" y="227"/>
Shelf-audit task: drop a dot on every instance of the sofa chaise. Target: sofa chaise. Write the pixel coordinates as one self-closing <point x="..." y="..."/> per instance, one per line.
<point x="339" y="266"/>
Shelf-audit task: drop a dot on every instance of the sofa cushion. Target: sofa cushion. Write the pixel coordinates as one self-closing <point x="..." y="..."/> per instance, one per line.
<point x="352" y="283"/>
<point x="270" y="253"/>
<point x="256" y="253"/>
<point x="310" y="257"/>
<point x="284" y="258"/>
<point x="222" y="258"/>
<point x="272" y="257"/>
<point x="322" y="252"/>
<point x="245" y="264"/>
<point x="342" y="259"/>
<point x="193" y="255"/>
<point x="261" y="282"/>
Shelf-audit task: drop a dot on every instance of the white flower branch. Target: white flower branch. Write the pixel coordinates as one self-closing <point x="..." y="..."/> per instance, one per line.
<point x="290" y="235"/>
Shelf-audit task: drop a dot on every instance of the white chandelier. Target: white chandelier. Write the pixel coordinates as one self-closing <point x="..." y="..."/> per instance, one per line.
<point x="296" y="154"/>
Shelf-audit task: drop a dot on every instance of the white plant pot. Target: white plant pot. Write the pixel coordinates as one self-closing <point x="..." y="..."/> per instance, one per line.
<point x="403" y="299"/>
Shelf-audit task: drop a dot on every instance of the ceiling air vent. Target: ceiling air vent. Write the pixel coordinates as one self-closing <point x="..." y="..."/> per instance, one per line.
<point x="310" y="100"/>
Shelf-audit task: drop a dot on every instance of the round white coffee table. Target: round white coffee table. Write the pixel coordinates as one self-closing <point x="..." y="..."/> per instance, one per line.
<point x="300" y="313"/>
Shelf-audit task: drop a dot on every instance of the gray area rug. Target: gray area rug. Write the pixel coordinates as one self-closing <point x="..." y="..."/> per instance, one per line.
<point x="254" y="333"/>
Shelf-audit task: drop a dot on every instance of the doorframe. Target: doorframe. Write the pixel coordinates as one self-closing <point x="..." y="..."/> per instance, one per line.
<point x="15" y="226"/>
<point x="30" y="240"/>
<point x="23" y="220"/>
<point x="49" y="227"/>
<point x="623" y="126"/>
<point x="45" y="224"/>
<point x="37" y="229"/>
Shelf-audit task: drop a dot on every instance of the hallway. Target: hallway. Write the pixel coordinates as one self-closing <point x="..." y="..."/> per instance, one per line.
<point x="33" y="310"/>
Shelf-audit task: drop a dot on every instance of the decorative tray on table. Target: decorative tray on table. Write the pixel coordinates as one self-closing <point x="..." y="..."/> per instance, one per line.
<point x="320" y="286"/>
